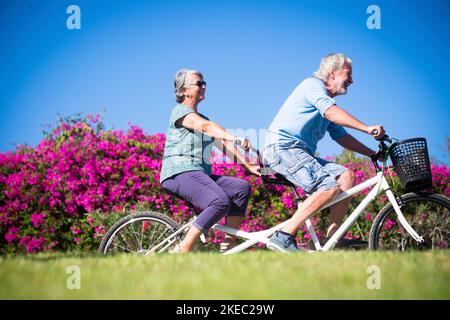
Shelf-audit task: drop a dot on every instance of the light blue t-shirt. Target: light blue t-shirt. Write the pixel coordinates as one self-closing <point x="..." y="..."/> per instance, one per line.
<point x="302" y="117"/>
<point x="185" y="150"/>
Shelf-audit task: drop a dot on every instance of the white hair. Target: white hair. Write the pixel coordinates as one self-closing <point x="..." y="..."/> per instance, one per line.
<point x="329" y="63"/>
<point x="182" y="79"/>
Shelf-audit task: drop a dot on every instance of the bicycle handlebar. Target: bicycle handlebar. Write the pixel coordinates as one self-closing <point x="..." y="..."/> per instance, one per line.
<point x="385" y="137"/>
<point x="383" y="149"/>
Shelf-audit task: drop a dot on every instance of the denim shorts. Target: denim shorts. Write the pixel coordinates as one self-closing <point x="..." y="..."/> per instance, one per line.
<point x="301" y="168"/>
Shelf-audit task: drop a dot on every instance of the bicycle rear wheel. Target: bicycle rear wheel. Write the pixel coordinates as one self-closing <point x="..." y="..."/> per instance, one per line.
<point x="428" y="215"/>
<point x="139" y="233"/>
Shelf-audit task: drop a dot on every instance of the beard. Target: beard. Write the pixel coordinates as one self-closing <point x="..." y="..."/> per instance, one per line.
<point x="342" y="89"/>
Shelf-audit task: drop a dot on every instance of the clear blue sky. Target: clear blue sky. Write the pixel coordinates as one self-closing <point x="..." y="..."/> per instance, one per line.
<point x="252" y="53"/>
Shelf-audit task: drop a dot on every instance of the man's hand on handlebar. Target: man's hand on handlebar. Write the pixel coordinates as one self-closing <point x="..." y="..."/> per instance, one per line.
<point x="376" y="131"/>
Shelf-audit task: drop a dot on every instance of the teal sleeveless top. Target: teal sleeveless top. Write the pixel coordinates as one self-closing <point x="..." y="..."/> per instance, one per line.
<point x="185" y="150"/>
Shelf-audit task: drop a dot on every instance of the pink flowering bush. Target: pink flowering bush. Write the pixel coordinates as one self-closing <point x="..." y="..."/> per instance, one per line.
<point x="68" y="190"/>
<point x="47" y="193"/>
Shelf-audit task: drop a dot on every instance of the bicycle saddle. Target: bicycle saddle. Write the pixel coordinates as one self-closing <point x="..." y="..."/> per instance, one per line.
<point x="268" y="174"/>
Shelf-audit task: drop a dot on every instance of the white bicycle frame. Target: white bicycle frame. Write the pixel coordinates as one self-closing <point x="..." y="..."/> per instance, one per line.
<point x="380" y="185"/>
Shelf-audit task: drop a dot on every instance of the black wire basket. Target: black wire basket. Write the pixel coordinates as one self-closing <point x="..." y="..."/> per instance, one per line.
<point x="412" y="164"/>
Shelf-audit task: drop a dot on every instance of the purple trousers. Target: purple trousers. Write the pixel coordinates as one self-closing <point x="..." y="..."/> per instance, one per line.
<point x="216" y="196"/>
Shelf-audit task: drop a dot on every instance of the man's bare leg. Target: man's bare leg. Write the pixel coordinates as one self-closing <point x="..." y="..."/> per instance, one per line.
<point x="308" y="208"/>
<point x="338" y="211"/>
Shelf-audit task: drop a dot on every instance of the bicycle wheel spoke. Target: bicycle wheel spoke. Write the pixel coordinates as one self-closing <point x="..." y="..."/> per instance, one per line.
<point x="135" y="236"/>
<point x="128" y="244"/>
<point x="125" y="249"/>
<point x="157" y="240"/>
<point x="142" y="233"/>
<point x="150" y="241"/>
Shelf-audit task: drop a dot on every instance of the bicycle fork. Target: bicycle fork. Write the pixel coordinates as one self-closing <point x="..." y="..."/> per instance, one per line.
<point x="399" y="213"/>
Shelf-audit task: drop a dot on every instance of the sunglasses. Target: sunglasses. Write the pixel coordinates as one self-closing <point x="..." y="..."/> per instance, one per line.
<point x="199" y="83"/>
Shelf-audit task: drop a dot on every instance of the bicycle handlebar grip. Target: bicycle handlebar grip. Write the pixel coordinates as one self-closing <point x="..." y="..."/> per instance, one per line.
<point x="385" y="137"/>
<point x="375" y="132"/>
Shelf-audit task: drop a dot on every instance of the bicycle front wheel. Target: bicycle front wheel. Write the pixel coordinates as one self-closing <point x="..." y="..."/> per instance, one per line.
<point x="140" y="233"/>
<point x="428" y="215"/>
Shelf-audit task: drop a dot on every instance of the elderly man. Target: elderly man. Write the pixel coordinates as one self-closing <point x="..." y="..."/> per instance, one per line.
<point x="292" y="140"/>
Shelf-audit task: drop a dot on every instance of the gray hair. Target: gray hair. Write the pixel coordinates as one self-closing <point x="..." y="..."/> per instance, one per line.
<point x="182" y="79"/>
<point x="329" y="63"/>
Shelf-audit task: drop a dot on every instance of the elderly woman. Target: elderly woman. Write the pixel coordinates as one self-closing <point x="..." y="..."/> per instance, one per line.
<point x="186" y="167"/>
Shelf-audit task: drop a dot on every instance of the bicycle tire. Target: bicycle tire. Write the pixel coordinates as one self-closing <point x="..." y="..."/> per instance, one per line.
<point x="428" y="215"/>
<point x="145" y="218"/>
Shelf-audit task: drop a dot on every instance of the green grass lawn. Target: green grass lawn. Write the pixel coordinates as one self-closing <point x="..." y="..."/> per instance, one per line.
<point x="250" y="275"/>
